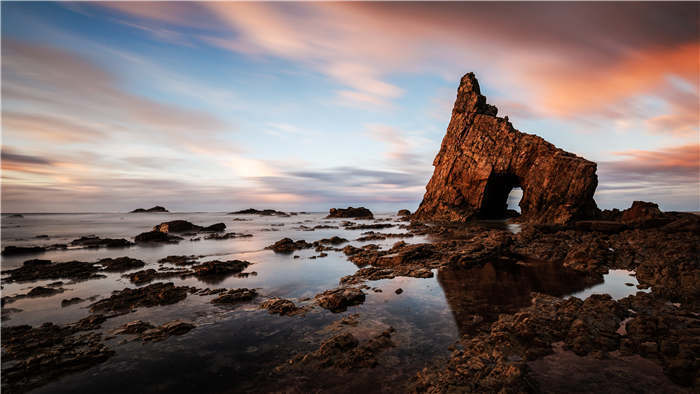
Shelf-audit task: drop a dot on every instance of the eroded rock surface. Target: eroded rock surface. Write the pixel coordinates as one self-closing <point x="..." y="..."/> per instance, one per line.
<point x="482" y="158"/>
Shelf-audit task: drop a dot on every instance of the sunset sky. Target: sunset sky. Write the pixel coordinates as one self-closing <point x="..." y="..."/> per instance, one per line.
<point x="219" y="106"/>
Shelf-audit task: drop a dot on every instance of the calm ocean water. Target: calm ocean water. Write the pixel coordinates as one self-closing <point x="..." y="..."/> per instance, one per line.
<point x="232" y="349"/>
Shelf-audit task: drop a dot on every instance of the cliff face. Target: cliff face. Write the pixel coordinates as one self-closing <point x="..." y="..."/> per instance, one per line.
<point x="482" y="158"/>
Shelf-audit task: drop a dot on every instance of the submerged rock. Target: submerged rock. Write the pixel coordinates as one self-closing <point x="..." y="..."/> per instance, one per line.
<point x="482" y="158"/>
<point x="344" y="352"/>
<point x="17" y="250"/>
<point x="33" y="356"/>
<point x="33" y="270"/>
<point x="149" y="296"/>
<point x="350" y="212"/>
<point x="120" y="264"/>
<point x="235" y="296"/>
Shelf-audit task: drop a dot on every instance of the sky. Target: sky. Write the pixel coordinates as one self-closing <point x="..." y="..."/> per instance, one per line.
<point x="107" y="107"/>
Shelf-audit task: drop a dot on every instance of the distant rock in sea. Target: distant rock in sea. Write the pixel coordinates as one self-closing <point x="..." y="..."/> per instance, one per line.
<point x="264" y="212"/>
<point x="483" y="157"/>
<point x="350" y="212"/>
<point x="157" y="208"/>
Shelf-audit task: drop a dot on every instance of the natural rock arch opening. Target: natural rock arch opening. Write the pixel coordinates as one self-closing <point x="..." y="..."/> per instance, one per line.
<point x="494" y="204"/>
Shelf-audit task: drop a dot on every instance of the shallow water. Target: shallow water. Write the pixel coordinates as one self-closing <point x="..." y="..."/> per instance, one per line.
<point x="234" y="348"/>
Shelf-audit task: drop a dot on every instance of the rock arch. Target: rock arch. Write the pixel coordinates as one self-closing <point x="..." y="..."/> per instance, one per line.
<point x="482" y="157"/>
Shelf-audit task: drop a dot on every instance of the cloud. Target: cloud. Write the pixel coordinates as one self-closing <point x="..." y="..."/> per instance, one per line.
<point x="563" y="59"/>
<point x="10" y="156"/>
<point x="670" y="176"/>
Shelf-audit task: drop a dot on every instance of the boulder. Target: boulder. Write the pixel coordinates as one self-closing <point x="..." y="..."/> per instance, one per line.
<point x="350" y="212"/>
<point x="482" y="158"/>
<point x="177" y="226"/>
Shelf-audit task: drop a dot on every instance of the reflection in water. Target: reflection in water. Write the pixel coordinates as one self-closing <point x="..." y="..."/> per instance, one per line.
<point x="497" y="288"/>
<point x="618" y="283"/>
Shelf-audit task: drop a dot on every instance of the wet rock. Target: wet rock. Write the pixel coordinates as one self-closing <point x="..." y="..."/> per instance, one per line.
<point x="175" y="327"/>
<point x="120" y="264"/>
<point x="483" y="157"/>
<point x="179" y="260"/>
<point x="281" y="306"/>
<point x="149" y="275"/>
<point x="157" y="208"/>
<point x="97" y="242"/>
<point x="403" y="212"/>
<point x="41" y="291"/>
<point x="345" y="353"/>
<point x="18" y="250"/>
<point x="665" y="333"/>
<point x="176" y="226"/>
<point x="287" y="245"/>
<point x="264" y="212"/>
<point x="408" y="253"/>
<point x="338" y="300"/>
<point x="374" y="236"/>
<point x="217" y="228"/>
<point x="149" y="296"/>
<point x="33" y="356"/>
<point x="132" y="328"/>
<point x="350" y="212"/>
<point x="156" y="237"/>
<point x="70" y="301"/>
<point x="220" y="268"/>
<point x="228" y="236"/>
<point x="375" y="226"/>
<point x="398" y="291"/>
<point x="334" y="240"/>
<point x="33" y="270"/>
<point x="235" y="296"/>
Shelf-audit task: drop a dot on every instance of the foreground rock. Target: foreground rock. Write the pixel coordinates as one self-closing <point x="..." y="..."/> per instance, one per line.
<point x="482" y="158"/>
<point x="147" y="332"/>
<point x="280" y="306"/>
<point x="34" y="356"/>
<point x="350" y="212"/>
<point x="235" y="296"/>
<point x="343" y="352"/>
<point x="129" y="299"/>
<point x="157" y="208"/>
<point x="338" y="300"/>
<point x="498" y="360"/>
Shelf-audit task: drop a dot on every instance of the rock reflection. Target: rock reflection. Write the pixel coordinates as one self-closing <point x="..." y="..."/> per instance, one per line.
<point x="480" y="294"/>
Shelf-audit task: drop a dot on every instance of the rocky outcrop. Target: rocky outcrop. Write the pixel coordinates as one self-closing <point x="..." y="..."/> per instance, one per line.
<point x="350" y="212"/>
<point x="482" y="158"/>
<point x="157" y="208"/>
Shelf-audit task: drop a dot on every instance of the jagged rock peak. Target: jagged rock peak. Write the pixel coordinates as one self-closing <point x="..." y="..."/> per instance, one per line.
<point x="482" y="158"/>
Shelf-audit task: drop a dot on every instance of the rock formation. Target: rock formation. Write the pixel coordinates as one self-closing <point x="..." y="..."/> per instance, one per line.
<point x="482" y="158"/>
